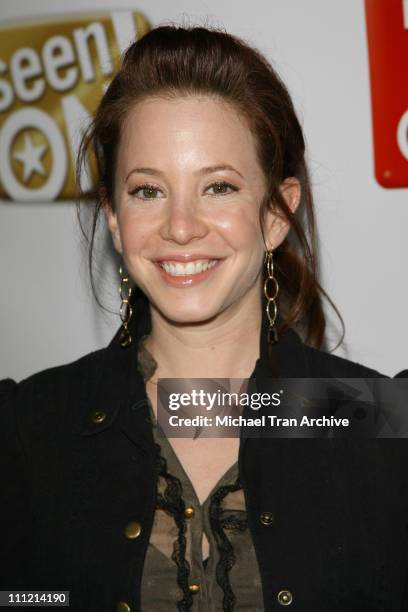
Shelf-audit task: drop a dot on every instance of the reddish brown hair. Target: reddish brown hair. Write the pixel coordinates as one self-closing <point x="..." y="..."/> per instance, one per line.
<point x="173" y="61"/>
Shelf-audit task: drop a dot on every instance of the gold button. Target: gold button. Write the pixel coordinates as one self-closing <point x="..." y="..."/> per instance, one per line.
<point x="122" y="606"/>
<point x="267" y="518"/>
<point x="189" y="512"/>
<point x="133" y="530"/>
<point x="194" y="588"/>
<point x="98" y="416"/>
<point x="285" y="598"/>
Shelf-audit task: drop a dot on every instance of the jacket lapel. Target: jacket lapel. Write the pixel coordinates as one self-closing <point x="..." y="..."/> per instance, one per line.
<point x="303" y="391"/>
<point x="118" y="392"/>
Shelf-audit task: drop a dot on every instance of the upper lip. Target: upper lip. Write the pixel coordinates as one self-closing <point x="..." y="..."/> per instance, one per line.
<point x="186" y="258"/>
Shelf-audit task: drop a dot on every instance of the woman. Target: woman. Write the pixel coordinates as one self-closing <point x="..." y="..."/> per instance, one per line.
<point x="205" y="189"/>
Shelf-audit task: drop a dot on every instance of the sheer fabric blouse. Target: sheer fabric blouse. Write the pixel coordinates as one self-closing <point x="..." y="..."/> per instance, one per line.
<point x="175" y="576"/>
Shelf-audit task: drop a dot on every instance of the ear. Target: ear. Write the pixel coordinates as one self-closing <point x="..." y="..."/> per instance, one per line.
<point x="277" y="226"/>
<point x="111" y="219"/>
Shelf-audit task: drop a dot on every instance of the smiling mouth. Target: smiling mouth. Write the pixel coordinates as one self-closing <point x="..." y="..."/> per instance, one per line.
<point x="188" y="269"/>
<point x="183" y="275"/>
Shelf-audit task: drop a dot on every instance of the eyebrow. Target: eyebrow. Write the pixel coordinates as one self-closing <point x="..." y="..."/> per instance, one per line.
<point x="202" y="171"/>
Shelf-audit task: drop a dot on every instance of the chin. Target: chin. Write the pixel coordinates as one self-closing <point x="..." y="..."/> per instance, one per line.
<point x="188" y="315"/>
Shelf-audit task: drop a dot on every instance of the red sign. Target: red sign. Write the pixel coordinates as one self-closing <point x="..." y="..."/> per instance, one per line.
<point x="387" y="31"/>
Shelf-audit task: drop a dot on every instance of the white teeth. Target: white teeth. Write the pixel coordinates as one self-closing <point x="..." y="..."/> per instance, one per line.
<point x="192" y="267"/>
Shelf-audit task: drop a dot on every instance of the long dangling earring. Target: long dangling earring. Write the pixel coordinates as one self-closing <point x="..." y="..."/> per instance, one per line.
<point x="125" y="312"/>
<point x="271" y="290"/>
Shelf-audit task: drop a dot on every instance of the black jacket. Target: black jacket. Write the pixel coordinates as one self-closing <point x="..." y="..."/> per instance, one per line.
<point x="72" y="481"/>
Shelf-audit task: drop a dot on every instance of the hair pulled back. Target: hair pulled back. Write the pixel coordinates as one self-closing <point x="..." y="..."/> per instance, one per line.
<point x="176" y="61"/>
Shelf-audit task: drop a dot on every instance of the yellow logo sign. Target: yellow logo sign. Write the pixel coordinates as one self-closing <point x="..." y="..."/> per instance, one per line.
<point x="53" y="73"/>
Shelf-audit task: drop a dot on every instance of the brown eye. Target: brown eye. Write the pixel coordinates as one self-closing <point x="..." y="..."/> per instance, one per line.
<point x="146" y="192"/>
<point x="149" y="192"/>
<point x="222" y="188"/>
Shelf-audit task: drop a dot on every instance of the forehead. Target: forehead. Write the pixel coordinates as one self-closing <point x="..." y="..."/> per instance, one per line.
<point x="187" y="131"/>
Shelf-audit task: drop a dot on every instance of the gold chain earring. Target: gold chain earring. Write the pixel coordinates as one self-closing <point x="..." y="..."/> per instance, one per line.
<point x="125" y="312"/>
<point x="271" y="290"/>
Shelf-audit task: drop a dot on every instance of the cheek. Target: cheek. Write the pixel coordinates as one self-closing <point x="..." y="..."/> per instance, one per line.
<point x="134" y="233"/>
<point x="241" y="229"/>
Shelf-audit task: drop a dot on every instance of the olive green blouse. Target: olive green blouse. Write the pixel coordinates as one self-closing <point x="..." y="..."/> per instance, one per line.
<point x="160" y="591"/>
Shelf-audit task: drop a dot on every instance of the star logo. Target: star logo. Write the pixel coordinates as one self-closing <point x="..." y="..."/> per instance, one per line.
<point x="30" y="157"/>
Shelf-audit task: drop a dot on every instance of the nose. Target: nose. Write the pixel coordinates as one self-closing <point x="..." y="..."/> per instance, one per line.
<point x="184" y="221"/>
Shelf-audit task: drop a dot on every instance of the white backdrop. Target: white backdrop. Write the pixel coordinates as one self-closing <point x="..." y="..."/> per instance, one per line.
<point x="48" y="316"/>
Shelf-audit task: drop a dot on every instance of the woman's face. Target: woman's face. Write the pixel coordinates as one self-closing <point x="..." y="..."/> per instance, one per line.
<point x="188" y="188"/>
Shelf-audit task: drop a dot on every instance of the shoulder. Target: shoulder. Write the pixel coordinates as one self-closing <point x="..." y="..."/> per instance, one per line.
<point x="33" y="397"/>
<point x="54" y="375"/>
<point x="326" y="365"/>
<point x="299" y="360"/>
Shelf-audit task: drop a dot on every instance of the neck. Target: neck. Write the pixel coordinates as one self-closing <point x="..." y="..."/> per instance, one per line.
<point x="226" y="346"/>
